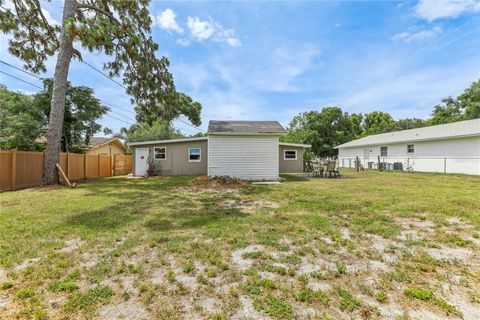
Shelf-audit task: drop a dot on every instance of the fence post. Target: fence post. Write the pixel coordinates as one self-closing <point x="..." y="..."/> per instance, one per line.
<point x="357" y="164"/>
<point x="85" y="166"/>
<point x="14" y="168"/>
<point x="110" y="165"/>
<point x="445" y="165"/>
<point x="68" y="166"/>
<point x="98" y="165"/>
<point x="112" y="161"/>
<point x="379" y="166"/>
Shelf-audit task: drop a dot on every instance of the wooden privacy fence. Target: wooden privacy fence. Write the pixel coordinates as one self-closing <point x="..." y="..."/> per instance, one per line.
<point x="24" y="169"/>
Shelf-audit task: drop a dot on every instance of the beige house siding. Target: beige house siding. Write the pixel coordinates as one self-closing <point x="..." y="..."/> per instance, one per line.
<point x="290" y="166"/>
<point x="176" y="162"/>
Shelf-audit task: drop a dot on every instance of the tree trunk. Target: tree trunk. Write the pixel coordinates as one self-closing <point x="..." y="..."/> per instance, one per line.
<point x="57" y="110"/>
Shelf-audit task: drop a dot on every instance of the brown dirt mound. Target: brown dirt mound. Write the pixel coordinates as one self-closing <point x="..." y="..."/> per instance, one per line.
<point x="220" y="182"/>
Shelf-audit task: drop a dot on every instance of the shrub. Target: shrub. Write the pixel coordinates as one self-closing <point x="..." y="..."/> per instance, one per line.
<point x="25" y="293"/>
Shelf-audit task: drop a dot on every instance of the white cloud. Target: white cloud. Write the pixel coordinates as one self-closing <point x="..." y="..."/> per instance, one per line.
<point x="418" y="36"/>
<point x="202" y="30"/>
<point x="431" y="10"/>
<point x="183" y="42"/>
<point x="167" y="20"/>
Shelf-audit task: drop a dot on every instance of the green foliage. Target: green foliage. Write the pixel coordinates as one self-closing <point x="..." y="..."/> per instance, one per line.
<point x="323" y="130"/>
<point x="82" y="111"/>
<point x="6" y="285"/>
<point x="418" y="293"/>
<point x="142" y="131"/>
<point x="466" y="106"/>
<point x="347" y="300"/>
<point x="378" y="122"/>
<point x="90" y="298"/>
<point x="305" y="295"/>
<point x="20" y="121"/>
<point x="66" y="285"/>
<point x="25" y="293"/>
<point x="176" y="104"/>
<point x="275" y="307"/>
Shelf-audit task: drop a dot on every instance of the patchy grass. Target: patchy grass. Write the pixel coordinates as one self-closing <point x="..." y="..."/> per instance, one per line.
<point x="370" y="246"/>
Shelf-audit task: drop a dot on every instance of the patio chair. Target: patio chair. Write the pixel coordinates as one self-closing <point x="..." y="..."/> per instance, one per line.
<point x="332" y="169"/>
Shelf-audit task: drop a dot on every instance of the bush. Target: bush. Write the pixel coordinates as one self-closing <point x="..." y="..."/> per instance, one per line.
<point x="418" y="293"/>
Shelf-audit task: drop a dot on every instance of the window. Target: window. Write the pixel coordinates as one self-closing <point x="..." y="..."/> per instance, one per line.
<point x="160" y="153"/>
<point x="410" y="148"/>
<point x="383" y="151"/>
<point x="194" y="154"/>
<point x="290" y="155"/>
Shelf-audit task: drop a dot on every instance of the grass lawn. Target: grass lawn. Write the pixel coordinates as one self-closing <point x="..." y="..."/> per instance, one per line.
<point x="368" y="246"/>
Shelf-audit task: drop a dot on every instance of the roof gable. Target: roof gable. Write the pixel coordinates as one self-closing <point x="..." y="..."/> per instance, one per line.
<point x="96" y="142"/>
<point x="442" y="131"/>
<point x="245" y="127"/>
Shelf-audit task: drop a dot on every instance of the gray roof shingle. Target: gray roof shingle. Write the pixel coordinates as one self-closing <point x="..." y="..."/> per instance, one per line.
<point x="245" y="127"/>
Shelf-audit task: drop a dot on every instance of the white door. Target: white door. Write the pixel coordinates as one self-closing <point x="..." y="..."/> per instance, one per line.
<point x="141" y="161"/>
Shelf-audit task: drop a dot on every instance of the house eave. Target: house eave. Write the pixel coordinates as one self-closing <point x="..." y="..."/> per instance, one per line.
<point x="142" y="143"/>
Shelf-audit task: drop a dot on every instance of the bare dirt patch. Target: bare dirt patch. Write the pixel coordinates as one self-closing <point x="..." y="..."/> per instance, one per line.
<point x="248" y="206"/>
<point x="447" y="253"/>
<point x="71" y="245"/>
<point x="130" y="309"/>
<point x="247" y="311"/>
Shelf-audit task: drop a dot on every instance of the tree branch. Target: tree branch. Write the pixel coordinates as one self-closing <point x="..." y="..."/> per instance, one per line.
<point x="104" y="12"/>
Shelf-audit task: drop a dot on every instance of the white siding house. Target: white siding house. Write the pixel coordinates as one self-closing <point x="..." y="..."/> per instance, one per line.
<point x="243" y="157"/>
<point x="247" y="150"/>
<point x="448" y="148"/>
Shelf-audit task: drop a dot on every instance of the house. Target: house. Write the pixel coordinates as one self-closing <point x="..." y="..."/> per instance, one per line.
<point x="108" y="146"/>
<point x="448" y="148"/>
<point x="248" y="150"/>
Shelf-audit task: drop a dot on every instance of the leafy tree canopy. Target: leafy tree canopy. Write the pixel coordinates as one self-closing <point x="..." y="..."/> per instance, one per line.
<point x="176" y="104"/>
<point x="82" y="111"/>
<point x="142" y="131"/>
<point x="465" y="107"/>
<point x="20" y="122"/>
<point x="323" y="130"/>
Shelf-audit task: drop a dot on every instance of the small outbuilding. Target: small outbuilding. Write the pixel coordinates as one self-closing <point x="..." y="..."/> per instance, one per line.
<point x="449" y="148"/>
<point x="248" y="150"/>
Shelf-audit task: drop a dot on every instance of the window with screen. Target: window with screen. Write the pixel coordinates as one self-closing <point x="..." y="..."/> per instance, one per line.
<point x="194" y="154"/>
<point x="384" y="151"/>
<point x="290" y="155"/>
<point x="160" y="153"/>
<point x="410" y="148"/>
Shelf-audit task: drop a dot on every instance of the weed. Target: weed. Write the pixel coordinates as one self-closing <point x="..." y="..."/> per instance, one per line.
<point x="291" y="259"/>
<point x="275" y="307"/>
<point x="25" y="293"/>
<point x="448" y="308"/>
<point x="305" y="295"/>
<point x="65" y="285"/>
<point x="90" y="299"/>
<point x="381" y="296"/>
<point x="418" y="293"/>
<point x="6" y="285"/>
<point x="189" y="267"/>
<point x="347" y="300"/>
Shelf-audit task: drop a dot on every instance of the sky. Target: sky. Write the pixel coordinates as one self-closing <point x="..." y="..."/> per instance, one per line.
<point x="270" y="60"/>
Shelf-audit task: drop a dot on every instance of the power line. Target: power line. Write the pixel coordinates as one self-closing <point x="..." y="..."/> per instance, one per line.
<point x="103" y="74"/>
<point x="11" y="75"/>
<point x="20" y="69"/>
<point x="92" y="67"/>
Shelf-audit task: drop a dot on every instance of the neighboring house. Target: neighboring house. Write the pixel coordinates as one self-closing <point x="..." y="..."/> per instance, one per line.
<point x="449" y="148"/>
<point x="107" y="146"/>
<point x="248" y="150"/>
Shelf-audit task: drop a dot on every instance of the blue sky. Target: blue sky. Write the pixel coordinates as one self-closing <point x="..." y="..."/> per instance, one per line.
<point x="272" y="60"/>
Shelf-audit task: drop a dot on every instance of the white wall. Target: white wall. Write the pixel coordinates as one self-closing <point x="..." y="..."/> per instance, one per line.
<point x="461" y="155"/>
<point x="243" y="157"/>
